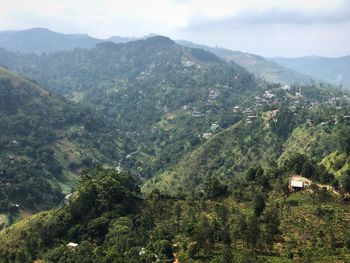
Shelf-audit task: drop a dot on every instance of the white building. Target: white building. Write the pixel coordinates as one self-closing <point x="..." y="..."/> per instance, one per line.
<point x="72" y="245"/>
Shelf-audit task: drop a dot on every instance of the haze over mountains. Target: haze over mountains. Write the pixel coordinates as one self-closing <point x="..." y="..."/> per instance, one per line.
<point x="331" y="70"/>
<point x="278" y="70"/>
<point x="154" y="150"/>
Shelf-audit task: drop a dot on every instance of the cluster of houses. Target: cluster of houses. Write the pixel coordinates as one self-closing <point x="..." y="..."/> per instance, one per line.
<point x="337" y="101"/>
<point x="267" y="98"/>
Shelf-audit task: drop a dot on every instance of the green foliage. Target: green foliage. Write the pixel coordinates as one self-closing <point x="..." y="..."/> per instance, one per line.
<point x="38" y="139"/>
<point x="219" y="198"/>
<point x="126" y="228"/>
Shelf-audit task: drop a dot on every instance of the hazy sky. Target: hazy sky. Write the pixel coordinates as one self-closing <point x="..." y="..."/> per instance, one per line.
<point x="265" y="27"/>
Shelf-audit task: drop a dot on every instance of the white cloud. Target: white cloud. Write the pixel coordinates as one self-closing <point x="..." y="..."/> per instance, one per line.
<point x="195" y="19"/>
<point x="164" y="14"/>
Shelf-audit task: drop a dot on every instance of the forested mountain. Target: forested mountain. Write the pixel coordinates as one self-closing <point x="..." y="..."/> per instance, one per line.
<point x="162" y="94"/>
<point x="313" y="123"/>
<point x="170" y="99"/>
<point x="260" y="66"/>
<point x="44" y="141"/>
<point x="255" y="219"/>
<point x="205" y="154"/>
<point x="42" y="40"/>
<point x="230" y="200"/>
<point x="331" y="70"/>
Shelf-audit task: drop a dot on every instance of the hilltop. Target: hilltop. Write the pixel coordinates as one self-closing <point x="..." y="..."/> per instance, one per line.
<point x="41" y="40"/>
<point x="258" y="65"/>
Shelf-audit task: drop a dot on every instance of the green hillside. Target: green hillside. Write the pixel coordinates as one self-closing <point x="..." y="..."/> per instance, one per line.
<point x="310" y="126"/>
<point x="41" y="40"/>
<point x="161" y="94"/>
<point x="44" y="141"/>
<point x="205" y="153"/>
<point x="252" y="220"/>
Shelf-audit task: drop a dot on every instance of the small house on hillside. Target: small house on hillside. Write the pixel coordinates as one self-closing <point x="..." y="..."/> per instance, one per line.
<point x="236" y="109"/>
<point x="214" y="126"/>
<point x="297" y="183"/>
<point x="72" y="245"/>
<point x="197" y="114"/>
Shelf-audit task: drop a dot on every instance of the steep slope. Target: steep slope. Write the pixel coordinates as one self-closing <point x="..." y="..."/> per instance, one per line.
<point x="41" y="40"/>
<point x="44" y="140"/>
<point x="257" y="65"/>
<point x="311" y="129"/>
<point x="255" y="220"/>
<point x="225" y="156"/>
<point x="162" y="94"/>
<point x="331" y="70"/>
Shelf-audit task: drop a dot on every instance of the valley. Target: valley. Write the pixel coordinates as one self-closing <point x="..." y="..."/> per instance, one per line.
<point x="117" y="152"/>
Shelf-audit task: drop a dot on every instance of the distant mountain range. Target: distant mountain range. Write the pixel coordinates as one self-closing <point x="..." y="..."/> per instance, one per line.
<point x="278" y="70"/>
<point x="255" y="64"/>
<point x="41" y="40"/>
<point x="332" y="70"/>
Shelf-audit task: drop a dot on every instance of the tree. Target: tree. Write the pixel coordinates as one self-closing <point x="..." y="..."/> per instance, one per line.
<point x="251" y="174"/>
<point x="252" y="233"/>
<point x="222" y="213"/>
<point x="213" y="187"/>
<point x="259" y="204"/>
<point x="272" y="223"/>
<point x="345" y="183"/>
<point x="163" y="249"/>
<point x="227" y="255"/>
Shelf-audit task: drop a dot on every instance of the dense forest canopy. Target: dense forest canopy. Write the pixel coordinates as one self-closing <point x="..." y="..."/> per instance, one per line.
<point x="44" y="140"/>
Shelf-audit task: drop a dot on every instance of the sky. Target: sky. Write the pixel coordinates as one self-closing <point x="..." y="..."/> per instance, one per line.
<point x="288" y="28"/>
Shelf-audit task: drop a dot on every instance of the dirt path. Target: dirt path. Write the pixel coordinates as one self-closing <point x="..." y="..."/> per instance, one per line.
<point x="176" y="258"/>
<point x="174" y="254"/>
<point x="328" y="187"/>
